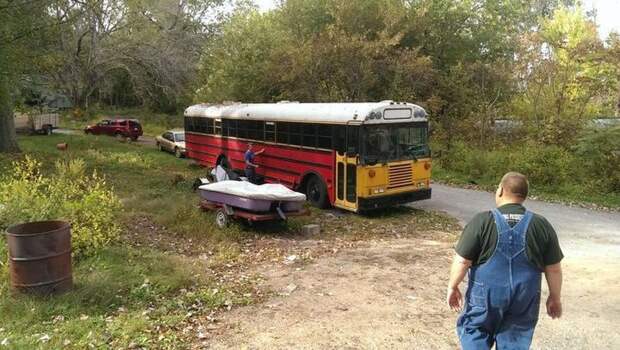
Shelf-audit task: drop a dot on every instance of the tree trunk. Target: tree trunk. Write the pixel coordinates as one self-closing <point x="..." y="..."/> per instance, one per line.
<point x="8" y="140"/>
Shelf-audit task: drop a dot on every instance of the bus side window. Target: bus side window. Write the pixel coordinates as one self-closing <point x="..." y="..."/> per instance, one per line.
<point x="243" y="128"/>
<point x="282" y="132"/>
<point x="295" y="134"/>
<point x="229" y="127"/>
<point x="325" y="137"/>
<point x="257" y="130"/>
<point x="217" y="127"/>
<point x="209" y="129"/>
<point x="270" y="131"/>
<point x="309" y="135"/>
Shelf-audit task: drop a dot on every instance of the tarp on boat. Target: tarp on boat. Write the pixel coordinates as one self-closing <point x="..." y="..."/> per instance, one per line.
<point x="272" y="192"/>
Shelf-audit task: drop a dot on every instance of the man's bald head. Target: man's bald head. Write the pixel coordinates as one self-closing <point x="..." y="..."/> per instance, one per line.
<point x="513" y="186"/>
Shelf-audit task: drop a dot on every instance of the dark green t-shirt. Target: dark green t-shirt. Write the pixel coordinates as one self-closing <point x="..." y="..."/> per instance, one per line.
<point x="479" y="238"/>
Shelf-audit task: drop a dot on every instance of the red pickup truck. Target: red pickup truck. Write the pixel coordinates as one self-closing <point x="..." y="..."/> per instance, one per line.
<point x="128" y="128"/>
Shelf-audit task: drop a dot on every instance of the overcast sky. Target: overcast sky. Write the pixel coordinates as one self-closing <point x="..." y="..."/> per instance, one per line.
<point x="607" y="18"/>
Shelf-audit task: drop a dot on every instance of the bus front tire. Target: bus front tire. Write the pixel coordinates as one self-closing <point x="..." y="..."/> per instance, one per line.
<point x="316" y="192"/>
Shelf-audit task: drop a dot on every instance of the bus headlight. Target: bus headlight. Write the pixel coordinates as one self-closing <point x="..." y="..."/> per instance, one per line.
<point x="377" y="190"/>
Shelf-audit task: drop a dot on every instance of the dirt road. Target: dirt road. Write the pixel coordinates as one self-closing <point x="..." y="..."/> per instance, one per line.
<point x="389" y="294"/>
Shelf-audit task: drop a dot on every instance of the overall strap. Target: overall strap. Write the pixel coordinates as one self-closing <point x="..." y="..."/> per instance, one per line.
<point x="500" y="221"/>
<point x="523" y="224"/>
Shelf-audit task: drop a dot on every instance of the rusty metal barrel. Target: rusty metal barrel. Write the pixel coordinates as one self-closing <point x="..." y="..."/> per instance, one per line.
<point x="40" y="257"/>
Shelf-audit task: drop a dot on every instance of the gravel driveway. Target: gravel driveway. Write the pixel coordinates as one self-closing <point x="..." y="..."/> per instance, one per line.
<point x="581" y="231"/>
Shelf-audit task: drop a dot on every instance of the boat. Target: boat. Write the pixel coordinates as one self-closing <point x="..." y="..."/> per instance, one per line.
<point x="251" y="197"/>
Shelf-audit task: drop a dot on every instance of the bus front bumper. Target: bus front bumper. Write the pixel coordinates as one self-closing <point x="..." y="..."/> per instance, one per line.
<point x="365" y="204"/>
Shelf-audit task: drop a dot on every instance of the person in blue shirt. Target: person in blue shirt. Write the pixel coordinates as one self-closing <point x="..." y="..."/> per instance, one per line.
<point x="250" y="166"/>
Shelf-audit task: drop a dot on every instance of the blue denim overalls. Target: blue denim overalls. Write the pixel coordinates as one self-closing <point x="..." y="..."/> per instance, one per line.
<point x="503" y="295"/>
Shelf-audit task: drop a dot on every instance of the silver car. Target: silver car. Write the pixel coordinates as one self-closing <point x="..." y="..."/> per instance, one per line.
<point x="172" y="141"/>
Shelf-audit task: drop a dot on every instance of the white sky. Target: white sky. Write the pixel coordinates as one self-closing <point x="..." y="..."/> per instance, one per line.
<point x="607" y="13"/>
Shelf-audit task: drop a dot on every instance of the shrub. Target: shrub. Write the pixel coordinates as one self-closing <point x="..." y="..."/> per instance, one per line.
<point x="599" y="150"/>
<point x="549" y="166"/>
<point x="68" y="194"/>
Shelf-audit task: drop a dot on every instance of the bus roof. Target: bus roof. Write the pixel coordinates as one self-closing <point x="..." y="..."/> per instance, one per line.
<point x="333" y="113"/>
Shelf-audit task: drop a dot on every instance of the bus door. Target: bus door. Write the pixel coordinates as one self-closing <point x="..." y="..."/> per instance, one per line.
<point x="346" y="170"/>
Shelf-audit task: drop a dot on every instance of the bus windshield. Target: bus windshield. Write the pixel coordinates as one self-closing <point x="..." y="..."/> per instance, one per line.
<point x="386" y="143"/>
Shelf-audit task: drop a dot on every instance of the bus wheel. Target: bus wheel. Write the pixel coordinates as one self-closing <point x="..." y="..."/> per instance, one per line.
<point x="316" y="192"/>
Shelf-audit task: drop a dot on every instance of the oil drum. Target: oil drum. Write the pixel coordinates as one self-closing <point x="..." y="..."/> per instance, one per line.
<point x="40" y="257"/>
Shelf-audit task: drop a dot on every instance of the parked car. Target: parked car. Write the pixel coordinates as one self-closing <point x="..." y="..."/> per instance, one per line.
<point x="37" y="123"/>
<point x="121" y="128"/>
<point x="172" y="141"/>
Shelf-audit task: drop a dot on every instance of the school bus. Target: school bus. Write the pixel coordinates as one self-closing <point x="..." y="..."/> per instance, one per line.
<point x="354" y="156"/>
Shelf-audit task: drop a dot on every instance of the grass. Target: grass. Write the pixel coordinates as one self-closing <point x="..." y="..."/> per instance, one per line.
<point x="122" y="297"/>
<point x="137" y="294"/>
<point x="153" y="124"/>
<point x="571" y="193"/>
<point x="125" y="295"/>
<point x="148" y="182"/>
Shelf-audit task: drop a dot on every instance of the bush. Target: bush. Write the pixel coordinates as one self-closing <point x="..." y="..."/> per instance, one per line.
<point x="68" y="194"/>
<point x="600" y="151"/>
<point x="549" y="166"/>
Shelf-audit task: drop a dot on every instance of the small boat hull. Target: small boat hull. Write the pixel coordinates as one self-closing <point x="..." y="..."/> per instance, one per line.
<point x="251" y="204"/>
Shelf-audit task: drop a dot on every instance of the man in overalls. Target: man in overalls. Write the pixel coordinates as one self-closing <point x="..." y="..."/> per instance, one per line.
<point x="505" y="250"/>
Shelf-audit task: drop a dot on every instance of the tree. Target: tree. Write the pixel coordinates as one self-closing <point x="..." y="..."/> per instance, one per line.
<point x="22" y="38"/>
<point x="564" y="75"/>
<point x="148" y="49"/>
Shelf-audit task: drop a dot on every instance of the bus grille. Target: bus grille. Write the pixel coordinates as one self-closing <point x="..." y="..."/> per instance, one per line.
<point x="400" y="175"/>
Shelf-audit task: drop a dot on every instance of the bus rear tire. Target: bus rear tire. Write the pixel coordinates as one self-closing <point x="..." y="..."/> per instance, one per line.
<point x="316" y="192"/>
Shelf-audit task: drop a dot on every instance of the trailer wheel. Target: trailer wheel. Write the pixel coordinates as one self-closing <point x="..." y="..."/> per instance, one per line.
<point x="316" y="192"/>
<point x="221" y="218"/>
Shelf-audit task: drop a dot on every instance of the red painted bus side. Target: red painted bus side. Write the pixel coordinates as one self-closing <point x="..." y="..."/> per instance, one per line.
<point x="287" y="165"/>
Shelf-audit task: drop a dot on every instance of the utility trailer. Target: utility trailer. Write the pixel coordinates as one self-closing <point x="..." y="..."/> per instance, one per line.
<point x="37" y="123"/>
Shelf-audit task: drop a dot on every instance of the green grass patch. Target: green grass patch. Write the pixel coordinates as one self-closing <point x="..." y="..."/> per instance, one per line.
<point x="148" y="182"/>
<point x="122" y="296"/>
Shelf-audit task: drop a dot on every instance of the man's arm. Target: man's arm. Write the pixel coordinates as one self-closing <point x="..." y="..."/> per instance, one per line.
<point x="553" y="274"/>
<point x="259" y="152"/>
<point x="459" y="268"/>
